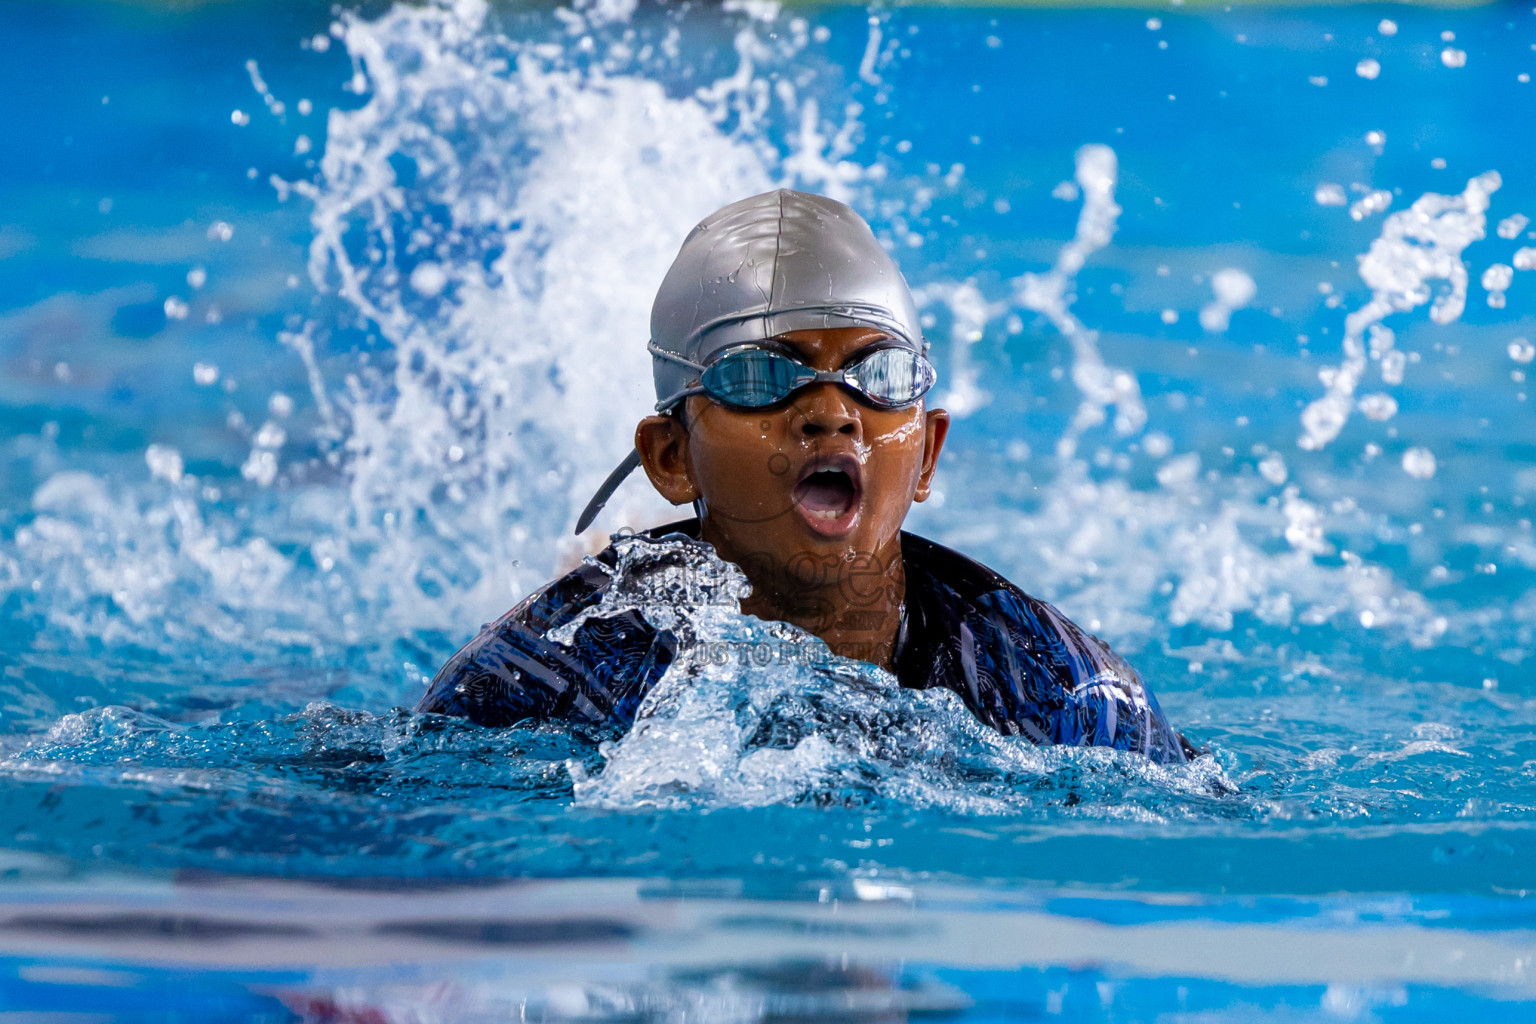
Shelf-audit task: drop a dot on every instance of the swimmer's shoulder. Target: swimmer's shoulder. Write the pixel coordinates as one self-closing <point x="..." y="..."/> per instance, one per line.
<point x="488" y="679"/>
<point x="963" y="575"/>
<point x="967" y="580"/>
<point x="511" y="670"/>
<point x="1020" y="664"/>
<point x="947" y="590"/>
<point x="952" y="585"/>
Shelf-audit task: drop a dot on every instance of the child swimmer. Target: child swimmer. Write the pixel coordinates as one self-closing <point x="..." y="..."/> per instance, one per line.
<point x="790" y="371"/>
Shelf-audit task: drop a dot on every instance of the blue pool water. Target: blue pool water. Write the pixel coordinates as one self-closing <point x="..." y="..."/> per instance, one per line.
<point x="299" y="324"/>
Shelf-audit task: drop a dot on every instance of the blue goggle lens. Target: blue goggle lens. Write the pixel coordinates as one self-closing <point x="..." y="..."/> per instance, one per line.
<point x="891" y="377"/>
<point x="755" y="378"/>
<point x="888" y="378"/>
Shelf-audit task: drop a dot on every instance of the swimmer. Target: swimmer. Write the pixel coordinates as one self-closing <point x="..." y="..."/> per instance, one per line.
<point x="790" y="373"/>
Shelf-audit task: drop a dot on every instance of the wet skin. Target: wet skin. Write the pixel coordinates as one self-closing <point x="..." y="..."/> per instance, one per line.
<point x="808" y="496"/>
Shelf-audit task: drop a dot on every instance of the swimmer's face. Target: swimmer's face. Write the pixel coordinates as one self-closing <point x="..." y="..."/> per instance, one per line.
<point x="822" y="474"/>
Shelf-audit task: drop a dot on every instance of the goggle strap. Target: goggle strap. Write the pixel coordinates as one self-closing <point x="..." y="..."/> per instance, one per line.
<point x="673" y="357"/>
<point x="621" y="471"/>
<point x="677" y="396"/>
<point x="661" y="353"/>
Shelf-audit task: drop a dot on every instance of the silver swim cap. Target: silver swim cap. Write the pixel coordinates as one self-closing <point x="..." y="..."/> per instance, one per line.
<point x="761" y="267"/>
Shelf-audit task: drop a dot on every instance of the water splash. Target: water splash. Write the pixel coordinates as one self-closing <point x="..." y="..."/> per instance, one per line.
<point x="1051" y="295"/>
<point x="488" y="228"/>
<point x="295" y="573"/>
<point x="969" y="314"/>
<point x="1417" y="247"/>
<point x="490" y="181"/>
<point x="1113" y="553"/>
<point x="1131" y="563"/>
<point x="752" y="713"/>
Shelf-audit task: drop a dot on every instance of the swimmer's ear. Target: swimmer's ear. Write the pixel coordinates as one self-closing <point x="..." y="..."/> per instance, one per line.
<point x="663" y="446"/>
<point x="936" y="424"/>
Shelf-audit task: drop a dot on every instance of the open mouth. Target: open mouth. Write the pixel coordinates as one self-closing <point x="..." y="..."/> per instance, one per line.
<point x="828" y="495"/>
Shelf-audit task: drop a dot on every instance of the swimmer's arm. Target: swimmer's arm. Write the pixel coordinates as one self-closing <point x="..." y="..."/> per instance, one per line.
<point x="506" y="675"/>
<point x="1095" y="697"/>
<point x="1120" y="711"/>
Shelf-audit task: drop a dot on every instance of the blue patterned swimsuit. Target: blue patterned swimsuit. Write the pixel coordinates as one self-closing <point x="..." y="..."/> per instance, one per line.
<point x="1019" y="665"/>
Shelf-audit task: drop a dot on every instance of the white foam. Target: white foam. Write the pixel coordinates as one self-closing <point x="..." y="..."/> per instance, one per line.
<point x="752" y="713"/>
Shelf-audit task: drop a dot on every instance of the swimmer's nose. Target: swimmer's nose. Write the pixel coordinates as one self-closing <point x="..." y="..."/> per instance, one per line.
<point x="829" y="409"/>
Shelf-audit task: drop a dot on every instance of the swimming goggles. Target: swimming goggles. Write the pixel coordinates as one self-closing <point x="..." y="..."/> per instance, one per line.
<point x="752" y="377"/>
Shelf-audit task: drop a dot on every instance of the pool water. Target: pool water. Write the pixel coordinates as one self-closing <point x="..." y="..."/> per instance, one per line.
<point x="319" y="327"/>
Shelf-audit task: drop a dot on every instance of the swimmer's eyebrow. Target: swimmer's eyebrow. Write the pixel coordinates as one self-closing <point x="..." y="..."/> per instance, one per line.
<point x="789" y="347"/>
<point x="875" y="344"/>
<point x="782" y="345"/>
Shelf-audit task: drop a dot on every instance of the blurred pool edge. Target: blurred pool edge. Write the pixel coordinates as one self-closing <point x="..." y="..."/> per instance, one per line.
<point x="520" y="931"/>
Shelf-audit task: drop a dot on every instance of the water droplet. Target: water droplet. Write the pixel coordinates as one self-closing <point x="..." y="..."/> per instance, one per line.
<point x="1453" y="58"/>
<point x="1387" y="27"/>
<point x="1392" y="365"/>
<point x="1378" y="406"/>
<point x="428" y="279"/>
<point x="1368" y="68"/>
<point x="164" y="462"/>
<point x="1233" y="290"/>
<point x="270" y="436"/>
<point x="261" y="467"/>
<point x="1521" y="351"/>
<point x="1273" y="469"/>
<point x="1329" y="194"/>
<point x="1496" y="280"/>
<point x="1419" y="463"/>
<point x="1370" y="204"/>
<point x="1511" y="226"/>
